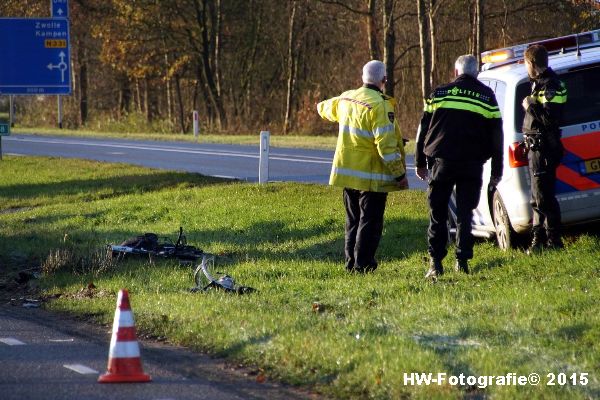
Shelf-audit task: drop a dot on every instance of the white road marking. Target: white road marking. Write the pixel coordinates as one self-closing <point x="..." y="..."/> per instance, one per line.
<point x="11" y="341"/>
<point x="116" y="153"/>
<point x="61" y="340"/>
<point x="81" y="369"/>
<point x="284" y="157"/>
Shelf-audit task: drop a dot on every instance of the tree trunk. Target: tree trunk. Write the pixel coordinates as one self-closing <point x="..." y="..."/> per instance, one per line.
<point x="251" y="59"/>
<point x="425" y="54"/>
<point x="208" y="104"/>
<point x="374" y="51"/>
<point x="480" y="41"/>
<point x="83" y="85"/>
<point x="168" y="90"/>
<point x="207" y="69"/>
<point x="180" y="103"/>
<point x="125" y="95"/>
<point x="432" y="42"/>
<point x="389" y="35"/>
<point x="216" y="41"/>
<point x="477" y="29"/>
<point x="138" y="96"/>
<point x="291" y="68"/>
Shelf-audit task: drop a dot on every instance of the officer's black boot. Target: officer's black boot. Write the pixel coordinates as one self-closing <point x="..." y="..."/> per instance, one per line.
<point x="462" y="266"/>
<point x="537" y="241"/>
<point x="554" y="240"/>
<point x="435" y="269"/>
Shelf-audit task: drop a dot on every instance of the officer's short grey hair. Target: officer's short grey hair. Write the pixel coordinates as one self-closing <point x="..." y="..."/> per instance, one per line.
<point x="467" y="64"/>
<point x="373" y="72"/>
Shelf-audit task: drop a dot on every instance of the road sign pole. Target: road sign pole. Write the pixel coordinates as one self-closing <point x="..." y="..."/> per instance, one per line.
<point x="263" y="165"/>
<point x="60" y="111"/>
<point x="11" y="112"/>
<point x="0" y="148"/>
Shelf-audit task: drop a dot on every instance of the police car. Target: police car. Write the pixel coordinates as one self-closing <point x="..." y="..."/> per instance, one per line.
<point x="505" y="212"/>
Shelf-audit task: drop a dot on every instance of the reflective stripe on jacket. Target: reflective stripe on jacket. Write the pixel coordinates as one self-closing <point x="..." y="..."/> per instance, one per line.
<point x="461" y="123"/>
<point x="369" y="154"/>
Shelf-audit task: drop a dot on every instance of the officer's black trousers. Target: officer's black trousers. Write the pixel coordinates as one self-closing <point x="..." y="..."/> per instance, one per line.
<point x="364" y="226"/>
<point x="444" y="176"/>
<point x="546" y="210"/>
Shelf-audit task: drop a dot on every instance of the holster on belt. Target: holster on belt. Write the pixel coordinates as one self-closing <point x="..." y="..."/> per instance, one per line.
<point x="533" y="141"/>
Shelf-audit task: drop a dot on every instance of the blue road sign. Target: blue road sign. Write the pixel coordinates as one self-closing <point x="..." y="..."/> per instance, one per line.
<point x="36" y="56"/>
<point x="60" y="8"/>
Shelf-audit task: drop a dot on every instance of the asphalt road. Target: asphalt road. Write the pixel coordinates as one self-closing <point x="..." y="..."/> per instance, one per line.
<point x="44" y="357"/>
<point x="231" y="161"/>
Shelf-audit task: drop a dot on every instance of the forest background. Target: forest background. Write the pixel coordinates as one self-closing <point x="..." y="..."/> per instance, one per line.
<point x="248" y="65"/>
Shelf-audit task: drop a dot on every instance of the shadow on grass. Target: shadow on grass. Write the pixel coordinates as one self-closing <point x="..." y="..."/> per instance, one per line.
<point x="402" y="238"/>
<point x="573" y="332"/>
<point x="116" y="185"/>
<point x="490" y="264"/>
<point x="449" y="349"/>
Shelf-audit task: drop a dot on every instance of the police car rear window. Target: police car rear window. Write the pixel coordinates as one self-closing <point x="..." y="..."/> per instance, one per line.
<point x="583" y="99"/>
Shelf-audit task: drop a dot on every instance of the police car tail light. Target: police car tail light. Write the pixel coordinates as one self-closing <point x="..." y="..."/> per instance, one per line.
<point x="517" y="155"/>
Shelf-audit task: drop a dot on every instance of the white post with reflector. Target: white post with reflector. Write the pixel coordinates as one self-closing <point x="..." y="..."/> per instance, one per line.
<point x="196" y="124"/>
<point x="263" y="165"/>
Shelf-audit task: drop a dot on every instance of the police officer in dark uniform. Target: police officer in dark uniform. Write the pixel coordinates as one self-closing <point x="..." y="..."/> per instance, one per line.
<point x="541" y="126"/>
<point x="460" y="130"/>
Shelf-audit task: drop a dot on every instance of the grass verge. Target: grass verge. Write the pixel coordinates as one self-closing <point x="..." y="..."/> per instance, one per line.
<point x="310" y="323"/>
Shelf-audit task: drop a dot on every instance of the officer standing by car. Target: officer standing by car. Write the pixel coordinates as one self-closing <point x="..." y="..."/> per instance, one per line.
<point x="460" y="129"/>
<point x="541" y="126"/>
<point x="369" y="162"/>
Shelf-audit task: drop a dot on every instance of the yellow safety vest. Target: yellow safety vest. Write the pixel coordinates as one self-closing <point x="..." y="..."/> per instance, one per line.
<point x="370" y="153"/>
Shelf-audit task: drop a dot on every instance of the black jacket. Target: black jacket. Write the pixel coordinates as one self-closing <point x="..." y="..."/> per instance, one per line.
<point x="545" y="115"/>
<point x="461" y="122"/>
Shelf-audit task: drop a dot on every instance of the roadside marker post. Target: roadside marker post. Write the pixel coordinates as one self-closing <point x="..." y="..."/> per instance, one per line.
<point x="263" y="166"/>
<point x="196" y="124"/>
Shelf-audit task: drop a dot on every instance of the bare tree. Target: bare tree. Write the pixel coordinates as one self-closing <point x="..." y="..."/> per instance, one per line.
<point x="389" y="34"/>
<point x="374" y="49"/>
<point x="425" y="49"/>
<point x="292" y="64"/>
<point x="477" y="44"/>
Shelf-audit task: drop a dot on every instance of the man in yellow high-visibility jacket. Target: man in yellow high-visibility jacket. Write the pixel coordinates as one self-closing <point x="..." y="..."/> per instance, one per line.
<point x="369" y="162"/>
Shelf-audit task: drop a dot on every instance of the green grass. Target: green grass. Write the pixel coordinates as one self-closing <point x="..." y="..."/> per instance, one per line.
<point x="513" y="314"/>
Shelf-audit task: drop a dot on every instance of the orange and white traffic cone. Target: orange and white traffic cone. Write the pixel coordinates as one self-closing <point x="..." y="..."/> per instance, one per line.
<point x="124" y="362"/>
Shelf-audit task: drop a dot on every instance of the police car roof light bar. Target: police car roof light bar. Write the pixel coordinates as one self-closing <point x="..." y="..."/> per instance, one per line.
<point x="508" y="55"/>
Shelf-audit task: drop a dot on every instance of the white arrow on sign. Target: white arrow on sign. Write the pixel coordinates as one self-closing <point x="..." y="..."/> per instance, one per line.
<point x="60" y="12"/>
<point x="62" y="66"/>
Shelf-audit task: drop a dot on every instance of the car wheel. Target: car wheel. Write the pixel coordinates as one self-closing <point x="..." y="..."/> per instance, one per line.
<point x="505" y="234"/>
